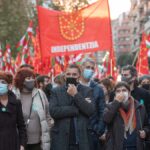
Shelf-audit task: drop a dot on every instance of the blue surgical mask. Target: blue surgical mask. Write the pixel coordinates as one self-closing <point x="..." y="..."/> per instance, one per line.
<point x="88" y="73"/>
<point x="3" y="88"/>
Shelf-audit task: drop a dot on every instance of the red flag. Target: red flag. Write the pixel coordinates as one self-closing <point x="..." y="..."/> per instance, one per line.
<point x="37" y="53"/>
<point x="85" y="30"/>
<point x="142" y="62"/>
<point x="18" y="61"/>
<point x="112" y="66"/>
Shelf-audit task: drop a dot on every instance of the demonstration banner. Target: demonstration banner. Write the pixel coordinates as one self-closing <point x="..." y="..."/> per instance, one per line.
<point x="84" y="30"/>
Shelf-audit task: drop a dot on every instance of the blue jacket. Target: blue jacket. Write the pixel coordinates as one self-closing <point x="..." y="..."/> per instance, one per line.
<point x="96" y="123"/>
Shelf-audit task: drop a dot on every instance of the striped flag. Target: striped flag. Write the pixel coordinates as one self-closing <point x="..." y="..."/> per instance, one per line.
<point x="25" y="39"/>
<point x="7" y="60"/>
<point x="22" y="45"/>
<point x="1" y="57"/>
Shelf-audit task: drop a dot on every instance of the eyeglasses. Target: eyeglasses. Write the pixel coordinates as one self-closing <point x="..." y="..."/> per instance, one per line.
<point x="3" y="81"/>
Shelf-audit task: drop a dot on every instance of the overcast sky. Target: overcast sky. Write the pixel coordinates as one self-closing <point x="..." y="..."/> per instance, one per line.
<point x="118" y="6"/>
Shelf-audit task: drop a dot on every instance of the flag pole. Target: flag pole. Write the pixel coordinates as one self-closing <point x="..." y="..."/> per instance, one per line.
<point x="135" y="58"/>
<point x="111" y="47"/>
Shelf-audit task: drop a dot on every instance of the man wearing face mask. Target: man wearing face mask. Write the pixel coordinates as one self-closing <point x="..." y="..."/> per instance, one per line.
<point x="43" y="83"/>
<point x="70" y="107"/>
<point x="129" y="74"/>
<point x="144" y="82"/>
<point x="35" y="110"/>
<point x="96" y="125"/>
<point x="126" y="121"/>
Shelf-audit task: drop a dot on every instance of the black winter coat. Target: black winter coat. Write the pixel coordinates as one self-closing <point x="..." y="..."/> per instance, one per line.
<point x="12" y="126"/>
<point x="62" y="108"/>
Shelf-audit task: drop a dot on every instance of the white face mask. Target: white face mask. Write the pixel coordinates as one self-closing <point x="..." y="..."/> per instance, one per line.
<point x="126" y="97"/>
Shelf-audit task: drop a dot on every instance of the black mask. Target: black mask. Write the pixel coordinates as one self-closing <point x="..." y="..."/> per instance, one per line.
<point x="146" y="86"/>
<point x="71" y="80"/>
<point x="29" y="85"/>
<point x="128" y="80"/>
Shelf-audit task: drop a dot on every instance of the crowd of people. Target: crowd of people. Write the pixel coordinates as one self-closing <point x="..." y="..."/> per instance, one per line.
<point x="74" y="111"/>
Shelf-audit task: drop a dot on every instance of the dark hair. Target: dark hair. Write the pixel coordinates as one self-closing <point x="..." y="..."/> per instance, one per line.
<point x="144" y="77"/>
<point x="4" y="76"/>
<point x="108" y="84"/>
<point x="111" y="77"/>
<point x="21" y="75"/>
<point x="97" y="80"/>
<point x="71" y="66"/>
<point x="59" y="79"/>
<point x="41" y="78"/>
<point x="10" y="77"/>
<point x="120" y="84"/>
<point x="132" y="69"/>
<point x="26" y="66"/>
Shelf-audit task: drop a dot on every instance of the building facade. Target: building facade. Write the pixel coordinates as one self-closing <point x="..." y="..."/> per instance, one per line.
<point x="121" y="30"/>
<point x="139" y="17"/>
<point x="128" y="28"/>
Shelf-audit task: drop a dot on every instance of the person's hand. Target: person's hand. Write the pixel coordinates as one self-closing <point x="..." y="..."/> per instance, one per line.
<point x="103" y="137"/>
<point x="72" y="90"/>
<point x="21" y="147"/>
<point x="142" y="134"/>
<point x="119" y="97"/>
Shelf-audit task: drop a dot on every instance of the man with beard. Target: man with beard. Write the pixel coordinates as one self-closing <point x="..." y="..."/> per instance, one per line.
<point x="43" y="83"/>
<point x="129" y="74"/>
<point x="126" y="121"/>
<point x="70" y="107"/>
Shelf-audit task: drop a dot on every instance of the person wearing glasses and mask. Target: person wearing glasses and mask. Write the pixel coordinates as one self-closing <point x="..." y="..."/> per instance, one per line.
<point x="70" y="107"/>
<point x="35" y="110"/>
<point x="126" y="120"/>
<point x="12" y="125"/>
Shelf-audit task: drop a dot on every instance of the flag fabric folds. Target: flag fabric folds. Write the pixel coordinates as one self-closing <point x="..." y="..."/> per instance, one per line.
<point x="85" y="30"/>
<point x="142" y="62"/>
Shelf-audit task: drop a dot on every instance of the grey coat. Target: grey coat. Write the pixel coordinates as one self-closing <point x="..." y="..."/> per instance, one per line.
<point x="115" y="135"/>
<point x="41" y="106"/>
<point x="62" y="108"/>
